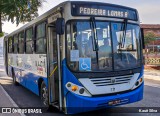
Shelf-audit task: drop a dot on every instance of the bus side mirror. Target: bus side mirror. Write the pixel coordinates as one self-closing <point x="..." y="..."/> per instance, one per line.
<point x="142" y="35"/>
<point x="60" y="25"/>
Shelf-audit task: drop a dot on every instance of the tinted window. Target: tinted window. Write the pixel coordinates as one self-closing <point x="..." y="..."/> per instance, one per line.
<point x="40" y="38"/>
<point x="29" y="43"/>
<point x="10" y="44"/>
<point x="21" y="42"/>
<point x="15" y="44"/>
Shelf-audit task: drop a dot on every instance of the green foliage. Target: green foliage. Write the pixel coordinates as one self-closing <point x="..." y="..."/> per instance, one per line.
<point x="1" y="34"/>
<point x="19" y="10"/>
<point x="149" y="37"/>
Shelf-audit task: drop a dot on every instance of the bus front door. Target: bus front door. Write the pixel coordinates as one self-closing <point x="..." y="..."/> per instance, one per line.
<point x="53" y="65"/>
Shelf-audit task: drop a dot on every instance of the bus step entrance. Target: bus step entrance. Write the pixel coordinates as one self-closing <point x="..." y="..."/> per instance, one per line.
<point x="55" y="104"/>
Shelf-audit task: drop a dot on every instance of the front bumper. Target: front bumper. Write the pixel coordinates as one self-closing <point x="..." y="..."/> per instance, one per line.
<point x="76" y="103"/>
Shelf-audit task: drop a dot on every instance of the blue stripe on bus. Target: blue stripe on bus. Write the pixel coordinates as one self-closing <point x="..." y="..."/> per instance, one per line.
<point x="29" y="80"/>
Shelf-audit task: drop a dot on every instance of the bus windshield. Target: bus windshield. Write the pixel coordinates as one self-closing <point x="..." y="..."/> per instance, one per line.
<point x="114" y="50"/>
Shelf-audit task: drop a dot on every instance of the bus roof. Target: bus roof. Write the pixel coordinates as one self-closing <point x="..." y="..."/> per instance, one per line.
<point x="50" y="12"/>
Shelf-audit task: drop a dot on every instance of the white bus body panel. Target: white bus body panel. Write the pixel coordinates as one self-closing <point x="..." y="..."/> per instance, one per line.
<point x="33" y="63"/>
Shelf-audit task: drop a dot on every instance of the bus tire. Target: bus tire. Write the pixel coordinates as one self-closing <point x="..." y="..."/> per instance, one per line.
<point x="14" y="79"/>
<point x="44" y="94"/>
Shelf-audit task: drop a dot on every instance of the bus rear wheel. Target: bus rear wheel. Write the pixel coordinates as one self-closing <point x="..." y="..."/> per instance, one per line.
<point x="44" y="94"/>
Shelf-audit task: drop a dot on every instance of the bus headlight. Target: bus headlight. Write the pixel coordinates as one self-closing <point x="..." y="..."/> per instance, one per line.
<point x="77" y="89"/>
<point x="138" y="82"/>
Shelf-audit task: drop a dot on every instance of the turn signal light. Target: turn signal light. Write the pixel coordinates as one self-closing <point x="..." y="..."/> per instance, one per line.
<point x="140" y="80"/>
<point x="74" y="88"/>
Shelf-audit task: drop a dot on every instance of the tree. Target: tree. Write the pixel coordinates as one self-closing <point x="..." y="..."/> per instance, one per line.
<point x="149" y="37"/>
<point x="18" y="10"/>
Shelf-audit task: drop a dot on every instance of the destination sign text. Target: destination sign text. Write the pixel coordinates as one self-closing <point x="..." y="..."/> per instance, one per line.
<point x="103" y="11"/>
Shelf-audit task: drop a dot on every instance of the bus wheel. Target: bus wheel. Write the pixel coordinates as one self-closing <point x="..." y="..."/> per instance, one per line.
<point x="44" y="94"/>
<point x="14" y="79"/>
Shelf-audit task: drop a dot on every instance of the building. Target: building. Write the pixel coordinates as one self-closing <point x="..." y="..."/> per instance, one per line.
<point x="153" y="28"/>
<point x="152" y="56"/>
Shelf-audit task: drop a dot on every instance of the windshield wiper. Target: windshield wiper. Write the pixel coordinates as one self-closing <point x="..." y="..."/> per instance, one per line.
<point x="94" y="37"/>
<point x="123" y="39"/>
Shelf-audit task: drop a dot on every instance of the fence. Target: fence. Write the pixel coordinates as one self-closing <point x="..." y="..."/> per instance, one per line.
<point x="152" y="59"/>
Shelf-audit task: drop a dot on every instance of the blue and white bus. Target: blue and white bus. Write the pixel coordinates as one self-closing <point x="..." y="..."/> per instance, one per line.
<point x="79" y="56"/>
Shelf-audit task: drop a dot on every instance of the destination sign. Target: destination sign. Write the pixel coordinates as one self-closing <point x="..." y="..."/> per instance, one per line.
<point x="103" y="11"/>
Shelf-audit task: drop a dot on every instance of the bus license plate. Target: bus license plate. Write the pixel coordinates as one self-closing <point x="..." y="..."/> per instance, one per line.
<point x="114" y="102"/>
<point x="118" y="102"/>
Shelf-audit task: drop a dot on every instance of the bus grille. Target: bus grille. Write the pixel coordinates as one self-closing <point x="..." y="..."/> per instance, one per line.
<point x="111" y="80"/>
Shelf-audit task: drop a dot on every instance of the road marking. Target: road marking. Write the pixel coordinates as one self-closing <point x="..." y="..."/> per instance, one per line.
<point x="11" y="100"/>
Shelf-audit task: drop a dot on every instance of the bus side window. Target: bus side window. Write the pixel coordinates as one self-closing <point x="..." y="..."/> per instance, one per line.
<point x="10" y="45"/>
<point x="21" y="42"/>
<point x="29" y="41"/>
<point x="15" y="44"/>
<point x="41" y="38"/>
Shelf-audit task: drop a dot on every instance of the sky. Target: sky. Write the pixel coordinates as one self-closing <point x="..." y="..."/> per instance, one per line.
<point x="149" y="10"/>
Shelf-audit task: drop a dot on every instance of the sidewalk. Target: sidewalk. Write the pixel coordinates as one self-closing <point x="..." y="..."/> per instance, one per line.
<point x="152" y="74"/>
<point x="6" y="101"/>
<point x="2" y="68"/>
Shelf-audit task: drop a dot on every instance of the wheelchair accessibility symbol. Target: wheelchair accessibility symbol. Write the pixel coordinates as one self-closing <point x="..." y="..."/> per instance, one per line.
<point x="84" y="64"/>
